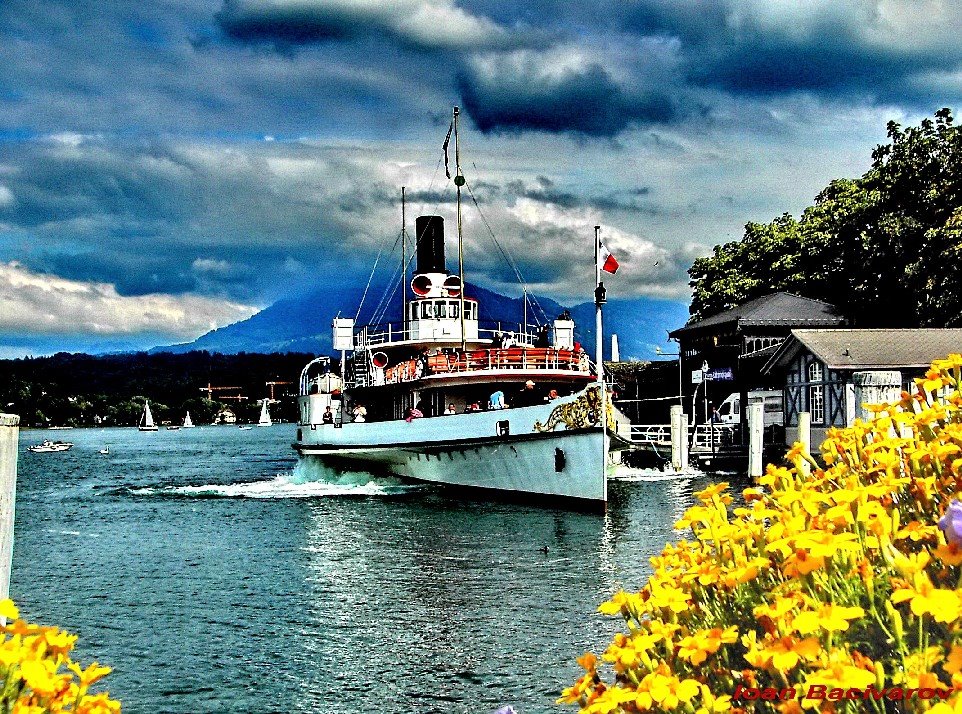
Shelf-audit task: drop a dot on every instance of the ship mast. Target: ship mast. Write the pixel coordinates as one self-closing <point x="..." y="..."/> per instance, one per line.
<point x="404" y="282"/>
<point x="459" y="182"/>
<point x="600" y="299"/>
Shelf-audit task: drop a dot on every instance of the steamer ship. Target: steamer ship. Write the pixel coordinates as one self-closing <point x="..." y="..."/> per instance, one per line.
<point x="443" y="397"/>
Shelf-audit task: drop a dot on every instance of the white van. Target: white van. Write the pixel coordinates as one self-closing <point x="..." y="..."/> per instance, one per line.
<point x="730" y="411"/>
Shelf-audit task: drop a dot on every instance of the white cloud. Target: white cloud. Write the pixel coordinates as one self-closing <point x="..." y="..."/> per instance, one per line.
<point x="46" y="304"/>
<point x="211" y="265"/>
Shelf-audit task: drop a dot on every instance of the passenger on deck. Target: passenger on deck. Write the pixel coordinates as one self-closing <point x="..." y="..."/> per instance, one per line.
<point x="413" y="413"/>
<point x="328" y="416"/>
<point x="527" y="397"/>
<point x="552" y="395"/>
<point x="498" y="342"/>
<point x="360" y="413"/>
<point x="497" y="400"/>
<point x="450" y="409"/>
<point x="473" y="407"/>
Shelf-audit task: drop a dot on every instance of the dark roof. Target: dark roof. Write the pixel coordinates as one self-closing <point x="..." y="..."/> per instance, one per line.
<point x="870" y="349"/>
<point x="777" y="309"/>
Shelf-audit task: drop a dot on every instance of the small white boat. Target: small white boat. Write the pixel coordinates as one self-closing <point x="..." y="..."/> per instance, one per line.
<point x="105" y="450"/>
<point x="265" y="419"/>
<point x="245" y="428"/>
<point x="147" y="420"/>
<point x="173" y="427"/>
<point x="188" y="424"/>
<point x="48" y="446"/>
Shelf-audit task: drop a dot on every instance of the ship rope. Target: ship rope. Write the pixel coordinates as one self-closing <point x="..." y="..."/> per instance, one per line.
<point x="371" y="276"/>
<point x="506" y="255"/>
<point x="386" y="297"/>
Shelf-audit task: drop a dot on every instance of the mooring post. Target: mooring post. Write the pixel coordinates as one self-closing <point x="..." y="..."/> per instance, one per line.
<point x="9" y="442"/>
<point x="805" y="437"/>
<point x="756" y="429"/>
<point x="679" y="439"/>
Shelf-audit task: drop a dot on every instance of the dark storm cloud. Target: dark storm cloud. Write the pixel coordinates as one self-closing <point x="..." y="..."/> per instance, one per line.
<point x="585" y="101"/>
<point x="864" y="48"/>
<point x="432" y="25"/>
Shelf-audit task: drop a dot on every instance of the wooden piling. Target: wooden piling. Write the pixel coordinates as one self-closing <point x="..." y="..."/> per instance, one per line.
<point x="756" y="430"/>
<point x="9" y="443"/>
<point x="679" y="438"/>
<point x="805" y="437"/>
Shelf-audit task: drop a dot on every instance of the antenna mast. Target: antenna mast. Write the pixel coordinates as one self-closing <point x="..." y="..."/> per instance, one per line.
<point x="459" y="182"/>
<point x="404" y="281"/>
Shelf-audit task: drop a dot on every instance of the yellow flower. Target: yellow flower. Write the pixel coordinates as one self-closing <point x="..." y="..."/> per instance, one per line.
<point x="832" y="618"/>
<point x="9" y="610"/>
<point x="696" y="647"/>
<point x="666" y="690"/>
<point x="95" y="672"/>
<point x="41" y="676"/>
<point x="706" y="495"/>
<point x="785" y="653"/>
<point x="926" y="599"/>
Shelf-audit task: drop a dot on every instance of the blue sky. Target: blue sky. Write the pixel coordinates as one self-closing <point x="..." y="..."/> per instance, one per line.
<point x="168" y="167"/>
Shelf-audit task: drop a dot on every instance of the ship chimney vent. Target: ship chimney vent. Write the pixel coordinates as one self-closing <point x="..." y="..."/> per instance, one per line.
<point x="430" y="244"/>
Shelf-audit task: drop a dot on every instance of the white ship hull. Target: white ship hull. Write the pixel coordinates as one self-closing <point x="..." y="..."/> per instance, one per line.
<point x="499" y="450"/>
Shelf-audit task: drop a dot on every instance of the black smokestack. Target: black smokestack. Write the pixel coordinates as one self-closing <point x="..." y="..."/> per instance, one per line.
<point x="430" y="244"/>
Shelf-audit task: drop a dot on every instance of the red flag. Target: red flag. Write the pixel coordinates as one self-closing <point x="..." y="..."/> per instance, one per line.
<point x="608" y="262"/>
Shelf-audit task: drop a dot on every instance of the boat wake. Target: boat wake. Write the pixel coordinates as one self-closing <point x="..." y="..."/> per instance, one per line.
<point x="627" y="473"/>
<point x="311" y="481"/>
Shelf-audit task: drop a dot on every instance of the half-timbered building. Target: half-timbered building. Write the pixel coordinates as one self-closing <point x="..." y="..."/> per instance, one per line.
<point x="818" y="368"/>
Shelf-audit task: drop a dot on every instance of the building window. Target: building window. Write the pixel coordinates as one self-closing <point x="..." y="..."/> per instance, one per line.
<point x="816" y="393"/>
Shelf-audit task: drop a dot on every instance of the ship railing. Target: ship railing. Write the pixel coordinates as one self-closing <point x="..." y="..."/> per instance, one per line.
<point x="458" y="362"/>
<point x="389" y="333"/>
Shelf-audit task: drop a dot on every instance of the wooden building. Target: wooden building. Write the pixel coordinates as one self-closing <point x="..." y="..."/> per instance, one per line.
<point x="735" y="344"/>
<point x="820" y="370"/>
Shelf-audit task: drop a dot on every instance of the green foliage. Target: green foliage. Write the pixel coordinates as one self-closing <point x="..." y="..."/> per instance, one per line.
<point x="883" y="247"/>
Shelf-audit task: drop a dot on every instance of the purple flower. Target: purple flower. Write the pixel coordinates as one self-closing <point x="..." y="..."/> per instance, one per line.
<point x="951" y="522"/>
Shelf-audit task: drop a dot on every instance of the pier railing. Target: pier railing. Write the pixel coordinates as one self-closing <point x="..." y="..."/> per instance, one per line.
<point x="703" y="437"/>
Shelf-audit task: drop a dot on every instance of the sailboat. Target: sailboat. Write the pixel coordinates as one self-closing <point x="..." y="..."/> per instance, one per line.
<point x="188" y="424"/>
<point x="265" y="419"/>
<point x="147" y="420"/>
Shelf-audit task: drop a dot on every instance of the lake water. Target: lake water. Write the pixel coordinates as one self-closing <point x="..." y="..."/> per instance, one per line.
<point x="214" y="575"/>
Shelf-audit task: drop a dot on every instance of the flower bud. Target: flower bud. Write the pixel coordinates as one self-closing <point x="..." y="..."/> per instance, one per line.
<point x="896" y="619"/>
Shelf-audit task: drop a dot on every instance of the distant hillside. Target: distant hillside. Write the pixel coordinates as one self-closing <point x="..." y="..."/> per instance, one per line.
<point x="303" y="324"/>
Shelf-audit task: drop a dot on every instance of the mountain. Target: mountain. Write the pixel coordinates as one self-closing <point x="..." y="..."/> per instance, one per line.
<point x="303" y="324"/>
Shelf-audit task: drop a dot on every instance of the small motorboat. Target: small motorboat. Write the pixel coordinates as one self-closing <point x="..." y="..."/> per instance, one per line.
<point x="173" y="427"/>
<point x="105" y="450"/>
<point x="48" y="446"/>
<point x="245" y="427"/>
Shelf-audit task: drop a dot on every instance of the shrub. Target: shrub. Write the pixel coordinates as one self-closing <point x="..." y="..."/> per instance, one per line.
<point x="37" y="675"/>
<point x="837" y="577"/>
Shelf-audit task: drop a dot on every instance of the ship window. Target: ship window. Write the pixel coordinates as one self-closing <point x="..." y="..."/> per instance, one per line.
<point x="440" y="310"/>
<point x="427" y="310"/>
<point x="452" y="310"/>
<point x="414" y="311"/>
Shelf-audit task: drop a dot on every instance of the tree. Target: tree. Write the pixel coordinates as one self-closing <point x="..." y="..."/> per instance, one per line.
<point x="880" y="247"/>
